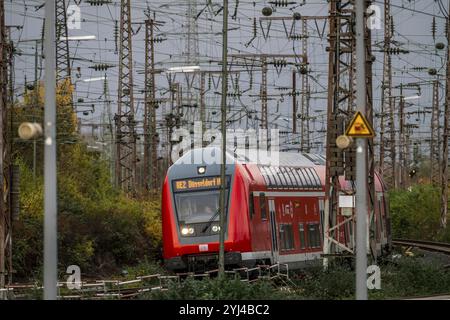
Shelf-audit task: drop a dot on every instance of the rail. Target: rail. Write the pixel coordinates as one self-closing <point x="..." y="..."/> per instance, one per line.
<point x="441" y="247"/>
<point x="116" y="289"/>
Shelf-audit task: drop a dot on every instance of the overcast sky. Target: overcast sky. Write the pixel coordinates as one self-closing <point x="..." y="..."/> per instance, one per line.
<point x="413" y="24"/>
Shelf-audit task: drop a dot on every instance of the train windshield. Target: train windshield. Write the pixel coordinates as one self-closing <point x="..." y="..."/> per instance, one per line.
<point x="197" y="207"/>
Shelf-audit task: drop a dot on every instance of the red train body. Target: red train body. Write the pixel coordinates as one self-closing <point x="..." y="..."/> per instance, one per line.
<point x="275" y="214"/>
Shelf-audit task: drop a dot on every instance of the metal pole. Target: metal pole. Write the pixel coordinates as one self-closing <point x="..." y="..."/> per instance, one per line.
<point x="361" y="157"/>
<point x="35" y="107"/>
<point x="223" y="108"/>
<point x="50" y="215"/>
<point x="294" y="102"/>
<point x="445" y="136"/>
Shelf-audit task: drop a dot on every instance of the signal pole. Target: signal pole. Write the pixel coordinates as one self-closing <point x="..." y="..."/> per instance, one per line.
<point x="223" y="108"/>
<point x="294" y="101"/>
<point x="361" y="156"/>
<point x="50" y="205"/>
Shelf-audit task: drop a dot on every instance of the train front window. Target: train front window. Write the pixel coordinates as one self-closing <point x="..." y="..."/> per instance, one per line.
<point x="197" y="207"/>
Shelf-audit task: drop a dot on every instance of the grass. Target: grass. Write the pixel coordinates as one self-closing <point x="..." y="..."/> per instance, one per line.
<point x="401" y="277"/>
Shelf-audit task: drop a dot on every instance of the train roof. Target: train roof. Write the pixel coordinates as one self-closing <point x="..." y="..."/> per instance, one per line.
<point x="252" y="156"/>
<point x="279" y="169"/>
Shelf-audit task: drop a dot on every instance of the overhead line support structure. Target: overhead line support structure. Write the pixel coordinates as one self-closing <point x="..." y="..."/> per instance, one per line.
<point x="5" y="160"/>
<point x="340" y="110"/>
<point x="125" y="117"/>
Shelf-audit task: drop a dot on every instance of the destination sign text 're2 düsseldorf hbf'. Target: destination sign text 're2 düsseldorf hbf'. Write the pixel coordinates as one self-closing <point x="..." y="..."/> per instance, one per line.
<point x="197" y="183"/>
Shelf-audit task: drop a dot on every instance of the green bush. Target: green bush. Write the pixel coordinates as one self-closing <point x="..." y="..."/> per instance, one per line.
<point x="218" y="289"/>
<point x="338" y="282"/>
<point x="412" y="276"/>
<point x="415" y="214"/>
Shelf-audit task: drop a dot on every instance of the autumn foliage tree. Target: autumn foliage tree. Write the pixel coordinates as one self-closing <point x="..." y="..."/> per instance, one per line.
<point x="100" y="229"/>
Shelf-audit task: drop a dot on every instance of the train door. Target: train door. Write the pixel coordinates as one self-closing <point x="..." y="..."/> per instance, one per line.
<point x="273" y="230"/>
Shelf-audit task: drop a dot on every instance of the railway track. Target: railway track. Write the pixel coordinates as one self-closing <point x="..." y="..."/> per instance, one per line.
<point x="130" y="289"/>
<point x="431" y="297"/>
<point x="426" y="245"/>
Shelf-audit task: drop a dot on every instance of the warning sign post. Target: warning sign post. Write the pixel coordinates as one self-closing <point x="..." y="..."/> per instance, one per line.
<point x="359" y="127"/>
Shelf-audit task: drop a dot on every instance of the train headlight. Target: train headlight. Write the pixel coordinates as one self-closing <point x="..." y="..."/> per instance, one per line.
<point x="187" y="231"/>
<point x="215" y="228"/>
<point x="201" y="170"/>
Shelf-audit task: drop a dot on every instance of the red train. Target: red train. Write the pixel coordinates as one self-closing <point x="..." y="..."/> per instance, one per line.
<point x="274" y="213"/>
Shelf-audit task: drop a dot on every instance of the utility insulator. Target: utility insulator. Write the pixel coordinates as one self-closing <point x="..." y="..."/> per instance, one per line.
<point x="282" y="3"/>
<point x="101" y="66"/>
<point x="158" y="39"/>
<point x="297" y="37"/>
<point x="396" y="51"/>
<point x="116" y="35"/>
<point x="433" y="28"/>
<point x="98" y="2"/>
<point x="279" y="62"/>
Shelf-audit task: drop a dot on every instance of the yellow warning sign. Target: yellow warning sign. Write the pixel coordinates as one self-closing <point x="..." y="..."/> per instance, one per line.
<point x="359" y="127"/>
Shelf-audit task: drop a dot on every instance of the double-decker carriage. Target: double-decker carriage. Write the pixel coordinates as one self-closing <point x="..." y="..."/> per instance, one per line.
<point x="274" y="213"/>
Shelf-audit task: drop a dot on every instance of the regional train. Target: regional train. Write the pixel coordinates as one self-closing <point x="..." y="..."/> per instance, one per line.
<point x="274" y="212"/>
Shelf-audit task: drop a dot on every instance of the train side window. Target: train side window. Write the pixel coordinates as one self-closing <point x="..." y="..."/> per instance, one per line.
<point x="251" y="207"/>
<point x="262" y="205"/>
<point x="286" y="236"/>
<point x="301" y="229"/>
<point x="322" y="211"/>
<point x="314" y="235"/>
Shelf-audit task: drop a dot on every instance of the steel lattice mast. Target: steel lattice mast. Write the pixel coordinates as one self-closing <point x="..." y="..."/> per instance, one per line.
<point x="150" y="135"/>
<point x="341" y="100"/>
<point x="192" y="57"/>
<point x="435" y="147"/>
<point x="305" y="142"/>
<point x="192" y="50"/>
<point x="125" y="122"/>
<point x="340" y="103"/>
<point x="444" y="166"/>
<point x="62" y="42"/>
<point x="387" y="163"/>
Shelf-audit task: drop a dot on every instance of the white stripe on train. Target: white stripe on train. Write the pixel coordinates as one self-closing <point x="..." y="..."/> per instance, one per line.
<point x="289" y="194"/>
<point x="282" y="258"/>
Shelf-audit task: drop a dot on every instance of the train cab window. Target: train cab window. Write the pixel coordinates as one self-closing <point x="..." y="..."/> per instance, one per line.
<point x="314" y="235"/>
<point x="262" y="206"/>
<point x="198" y="207"/>
<point x="301" y="229"/>
<point x="286" y="237"/>
<point x="251" y="207"/>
